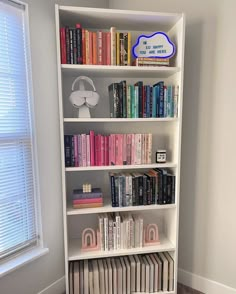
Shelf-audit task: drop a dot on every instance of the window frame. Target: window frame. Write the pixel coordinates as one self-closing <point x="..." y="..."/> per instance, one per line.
<point x="21" y="257"/>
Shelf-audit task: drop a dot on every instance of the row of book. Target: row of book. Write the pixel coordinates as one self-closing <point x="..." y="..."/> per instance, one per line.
<point x="87" y="199"/>
<point x="151" y="61"/>
<point x="101" y="150"/>
<point x="156" y="186"/>
<point x="82" y="46"/>
<point x="143" y="101"/>
<point x="147" y="273"/>
<point x="120" y="231"/>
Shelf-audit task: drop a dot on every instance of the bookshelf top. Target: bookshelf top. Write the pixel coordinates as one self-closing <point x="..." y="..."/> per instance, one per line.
<point x="121" y="19"/>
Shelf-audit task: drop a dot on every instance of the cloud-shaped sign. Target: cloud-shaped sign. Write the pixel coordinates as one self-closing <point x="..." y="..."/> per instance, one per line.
<point x="157" y="45"/>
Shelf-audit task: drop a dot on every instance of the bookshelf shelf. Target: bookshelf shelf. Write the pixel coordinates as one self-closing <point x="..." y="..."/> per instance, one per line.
<point x="165" y="132"/>
<point x="75" y="252"/>
<point x="118" y="71"/>
<point x="121" y="167"/>
<point x="108" y="208"/>
<point x="120" y="120"/>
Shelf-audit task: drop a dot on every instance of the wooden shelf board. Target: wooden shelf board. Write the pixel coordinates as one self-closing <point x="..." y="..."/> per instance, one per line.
<point x="75" y="252"/>
<point x="119" y="120"/>
<point x="121" y="167"/>
<point x="108" y="208"/>
<point x="118" y="71"/>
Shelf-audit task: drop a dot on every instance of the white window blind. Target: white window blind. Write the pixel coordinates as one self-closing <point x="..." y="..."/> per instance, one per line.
<point x="18" y="211"/>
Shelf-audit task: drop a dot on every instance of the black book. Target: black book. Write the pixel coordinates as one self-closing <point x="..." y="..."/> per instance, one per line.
<point x="140" y="98"/>
<point x="114" y="100"/>
<point x="67" y="150"/>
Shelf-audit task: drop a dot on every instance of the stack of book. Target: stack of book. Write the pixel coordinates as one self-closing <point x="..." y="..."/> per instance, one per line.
<point x="87" y="199"/>
<point x="156" y="186"/>
<point x="120" y="231"/>
<point x="82" y="46"/>
<point x="151" y="61"/>
<point x="147" y="273"/>
<point x="100" y="150"/>
<point x="143" y="101"/>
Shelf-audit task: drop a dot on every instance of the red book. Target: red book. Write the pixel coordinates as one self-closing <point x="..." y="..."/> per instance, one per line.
<point x="92" y="151"/>
<point x="99" y="38"/>
<point x="63" y="45"/>
<point x="83" y="47"/>
<point x="84" y="151"/>
<point x="94" y="46"/>
<point x="104" y="48"/>
<point x="108" y="47"/>
<point x="76" y="153"/>
<point x="99" y="149"/>
<point x="96" y="147"/>
<point x="88" y="200"/>
<point x="106" y="151"/>
<point x="90" y="47"/>
<point x="102" y="150"/>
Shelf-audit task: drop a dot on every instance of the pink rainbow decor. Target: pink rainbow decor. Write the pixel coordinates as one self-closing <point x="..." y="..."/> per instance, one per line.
<point x="151" y="235"/>
<point x="90" y="242"/>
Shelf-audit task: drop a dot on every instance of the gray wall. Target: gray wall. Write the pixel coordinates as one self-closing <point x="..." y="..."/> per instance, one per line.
<point x="207" y="239"/>
<point x="39" y="274"/>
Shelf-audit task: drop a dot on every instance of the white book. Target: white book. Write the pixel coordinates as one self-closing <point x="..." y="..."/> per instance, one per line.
<point x="171" y="271"/>
<point x="76" y="278"/>
<point x="110" y="233"/>
<point x="114" y="276"/>
<point x="151" y="274"/>
<point x="81" y="277"/>
<point x="159" y="261"/>
<point x="131" y="223"/>
<point x="136" y="231"/>
<point x="71" y="274"/>
<point x="138" y="273"/>
<point x="101" y="230"/>
<point x="147" y="277"/>
<point x="86" y="277"/>
<point x="110" y="279"/>
<point x="143" y="274"/>
<point x="113" y="45"/>
<point x="164" y="271"/>
<point x="156" y="274"/>
<point x="105" y="222"/>
<point x="106" y="276"/>
<point x="127" y="264"/>
<point x="122" y="235"/>
<point x="124" y="275"/>
<point x="114" y="236"/>
<point x="91" y="287"/>
<point x="101" y="276"/>
<point x="118" y="231"/>
<point x="132" y="273"/>
<point x="141" y="232"/>
<point x="95" y="276"/>
<point x="119" y="276"/>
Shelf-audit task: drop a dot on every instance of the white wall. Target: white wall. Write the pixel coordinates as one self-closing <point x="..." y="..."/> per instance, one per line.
<point x="207" y="211"/>
<point x="39" y="274"/>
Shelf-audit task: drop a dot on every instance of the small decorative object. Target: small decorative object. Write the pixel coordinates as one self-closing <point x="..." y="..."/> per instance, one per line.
<point x="161" y="156"/>
<point x="151" y="235"/>
<point x="157" y="45"/>
<point x="87" y="188"/>
<point x="83" y="99"/>
<point x="90" y="242"/>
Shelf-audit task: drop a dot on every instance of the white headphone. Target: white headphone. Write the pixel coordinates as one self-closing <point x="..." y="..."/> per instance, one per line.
<point x="83" y="99"/>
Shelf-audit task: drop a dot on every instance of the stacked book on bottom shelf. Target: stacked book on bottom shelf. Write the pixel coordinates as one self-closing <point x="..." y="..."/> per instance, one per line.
<point x="148" y="273"/>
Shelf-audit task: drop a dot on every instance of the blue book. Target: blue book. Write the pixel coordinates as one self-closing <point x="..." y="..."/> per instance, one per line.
<point x="154" y="102"/>
<point x="148" y="102"/>
<point x="170" y="104"/>
<point x="95" y="193"/>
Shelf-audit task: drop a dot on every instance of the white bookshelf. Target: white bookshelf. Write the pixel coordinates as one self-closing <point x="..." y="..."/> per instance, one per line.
<point x="166" y="131"/>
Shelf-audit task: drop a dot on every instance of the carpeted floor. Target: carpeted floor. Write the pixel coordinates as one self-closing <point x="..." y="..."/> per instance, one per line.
<point x="186" y="290"/>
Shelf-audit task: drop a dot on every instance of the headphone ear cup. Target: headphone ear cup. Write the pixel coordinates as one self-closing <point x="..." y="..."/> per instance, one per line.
<point x="76" y="100"/>
<point x="93" y="100"/>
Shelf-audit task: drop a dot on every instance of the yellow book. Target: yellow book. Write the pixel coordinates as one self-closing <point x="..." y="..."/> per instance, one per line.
<point x="129" y="48"/>
<point x="90" y="205"/>
<point x="117" y="48"/>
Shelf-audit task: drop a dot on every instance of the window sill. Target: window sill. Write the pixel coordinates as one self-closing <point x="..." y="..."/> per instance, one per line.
<point x="22" y="259"/>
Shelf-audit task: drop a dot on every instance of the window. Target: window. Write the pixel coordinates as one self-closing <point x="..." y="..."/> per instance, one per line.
<point x="19" y="209"/>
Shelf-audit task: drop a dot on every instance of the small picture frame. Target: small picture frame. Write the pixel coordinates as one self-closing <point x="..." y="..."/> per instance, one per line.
<point x="161" y="156"/>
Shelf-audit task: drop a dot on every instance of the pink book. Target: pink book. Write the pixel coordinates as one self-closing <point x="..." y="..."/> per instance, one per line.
<point x="88" y="200"/>
<point x="88" y="150"/>
<point x="108" y="47"/>
<point x="146" y="147"/>
<point x="106" y="151"/>
<point x="116" y="149"/>
<point x="120" y="149"/>
<point x="129" y="147"/>
<point x="63" y="45"/>
<point x="113" y="149"/>
<point x="149" y="152"/>
<point x="124" y="151"/>
<point x="99" y="149"/>
<point x="96" y="150"/>
<point x="84" y="152"/>
<point x="76" y="154"/>
<point x="138" y="149"/>
<point x="102" y="150"/>
<point x="92" y="151"/>
<point x="80" y="150"/>
<point x="133" y="158"/>
<point x="109" y="149"/>
<point x="99" y="38"/>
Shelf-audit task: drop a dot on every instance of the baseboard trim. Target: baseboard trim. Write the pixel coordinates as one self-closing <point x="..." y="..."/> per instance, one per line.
<point x="202" y="284"/>
<point x="58" y="287"/>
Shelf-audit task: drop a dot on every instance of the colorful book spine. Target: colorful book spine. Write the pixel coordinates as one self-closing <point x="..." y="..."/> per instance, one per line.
<point x="63" y="45"/>
<point x="88" y="201"/>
